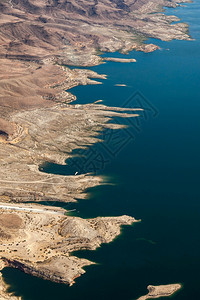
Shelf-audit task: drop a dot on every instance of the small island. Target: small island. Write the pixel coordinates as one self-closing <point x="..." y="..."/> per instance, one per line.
<point x="122" y="60"/>
<point x="161" y="291"/>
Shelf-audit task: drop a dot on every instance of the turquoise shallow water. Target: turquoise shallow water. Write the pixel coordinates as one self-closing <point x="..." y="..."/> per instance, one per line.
<point x="156" y="176"/>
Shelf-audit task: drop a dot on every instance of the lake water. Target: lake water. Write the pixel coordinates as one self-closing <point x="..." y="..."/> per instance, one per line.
<point x="156" y="176"/>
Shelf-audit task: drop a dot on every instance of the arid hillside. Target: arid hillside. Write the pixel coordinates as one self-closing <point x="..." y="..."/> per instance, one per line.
<point x="38" y="30"/>
<point x="38" y="36"/>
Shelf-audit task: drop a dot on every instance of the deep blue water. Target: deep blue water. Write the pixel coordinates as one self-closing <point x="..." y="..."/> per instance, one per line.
<point x="156" y="177"/>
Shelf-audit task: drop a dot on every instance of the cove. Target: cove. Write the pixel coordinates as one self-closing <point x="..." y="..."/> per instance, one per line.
<point x="156" y="178"/>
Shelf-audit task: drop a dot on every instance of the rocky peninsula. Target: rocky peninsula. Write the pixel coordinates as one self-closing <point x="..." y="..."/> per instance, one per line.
<point x="39" y="40"/>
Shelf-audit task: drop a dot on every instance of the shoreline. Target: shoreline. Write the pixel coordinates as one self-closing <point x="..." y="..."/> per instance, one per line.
<point x="26" y="136"/>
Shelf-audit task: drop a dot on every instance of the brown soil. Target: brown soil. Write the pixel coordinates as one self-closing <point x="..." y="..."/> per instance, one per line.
<point x="11" y="221"/>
